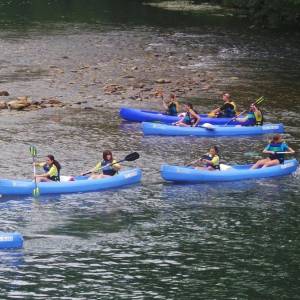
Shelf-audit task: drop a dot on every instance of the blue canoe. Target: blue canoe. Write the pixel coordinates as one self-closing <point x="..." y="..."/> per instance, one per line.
<point x="138" y="115"/>
<point x="79" y="185"/>
<point x="10" y="240"/>
<point x="218" y="130"/>
<point x="233" y="173"/>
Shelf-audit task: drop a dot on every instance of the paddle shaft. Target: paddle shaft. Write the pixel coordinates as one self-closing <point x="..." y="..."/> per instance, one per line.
<point x="109" y="165"/>
<point x="194" y="161"/>
<point x="34" y="171"/>
<point x="36" y="190"/>
<point x="130" y="157"/>
<point x="274" y="152"/>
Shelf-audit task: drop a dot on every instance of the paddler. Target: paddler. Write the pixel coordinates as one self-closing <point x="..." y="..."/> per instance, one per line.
<point x="191" y="118"/>
<point x="171" y="105"/>
<point x="52" y="169"/>
<point x="253" y="118"/>
<point x="276" y="149"/>
<point x="227" y="110"/>
<point x="211" y="160"/>
<point x="107" y="166"/>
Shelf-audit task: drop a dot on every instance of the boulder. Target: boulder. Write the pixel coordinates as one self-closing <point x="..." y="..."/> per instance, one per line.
<point x="3" y="105"/>
<point x="19" y="103"/>
<point x="161" y="80"/>
<point x="4" y="93"/>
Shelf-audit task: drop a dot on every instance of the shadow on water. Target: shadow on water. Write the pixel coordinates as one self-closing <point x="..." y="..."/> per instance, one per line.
<point x="237" y="192"/>
<point x="31" y="12"/>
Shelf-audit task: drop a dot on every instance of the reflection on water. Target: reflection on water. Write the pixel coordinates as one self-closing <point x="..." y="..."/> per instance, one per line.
<point x="11" y="259"/>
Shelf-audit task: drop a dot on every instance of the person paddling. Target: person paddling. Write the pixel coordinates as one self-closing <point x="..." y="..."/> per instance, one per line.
<point x="52" y="169"/>
<point x="227" y="110"/>
<point x="253" y="118"/>
<point x="171" y="105"/>
<point x="276" y="149"/>
<point x="211" y="160"/>
<point x="191" y="118"/>
<point x="107" y="166"/>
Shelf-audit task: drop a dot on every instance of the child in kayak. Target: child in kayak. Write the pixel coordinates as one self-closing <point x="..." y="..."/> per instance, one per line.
<point x="107" y="166"/>
<point x="191" y="118"/>
<point x="52" y="170"/>
<point x="211" y="160"/>
<point x="171" y="105"/>
<point x="276" y="149"/>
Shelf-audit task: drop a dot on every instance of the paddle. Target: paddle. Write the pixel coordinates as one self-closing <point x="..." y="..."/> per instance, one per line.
<point x="274" y="152"/>
<point x="130" y="157"/>
<point x="33" y="152"/>
<point x="258" y="101"/>
<point x="195" y="161"/>
<point x="207" y="126"/>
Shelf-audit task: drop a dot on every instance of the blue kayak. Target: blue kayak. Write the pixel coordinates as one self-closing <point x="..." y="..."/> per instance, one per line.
<point x="217" y="130"/>
<point x="231" y="173"/>
<point x="79" y="185"/>
<point x="138" y="115"/>
<point x="10" y="240"/>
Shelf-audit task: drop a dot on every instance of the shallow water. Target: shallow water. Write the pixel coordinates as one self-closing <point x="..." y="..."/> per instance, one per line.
<point x="154" y="240"/>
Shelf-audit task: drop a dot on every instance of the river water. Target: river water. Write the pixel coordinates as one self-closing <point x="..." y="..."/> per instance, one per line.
<point x="153" y="240"/>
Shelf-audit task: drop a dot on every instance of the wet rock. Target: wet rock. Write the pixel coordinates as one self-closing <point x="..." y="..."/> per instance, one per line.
<point x="161" y="80"/>
<point x="84" y="67"/>
<point x="3" y="105"/>
<point x="113" y="89"/>
<point x="4" y="93"/>
<point x="54" y="101"/>
<point x="128" y="76"/>
<point x="206" y="87"/>
<point x="146" y="89"/>
<point x="19" y="103"/>
<point x="138" y="85"/>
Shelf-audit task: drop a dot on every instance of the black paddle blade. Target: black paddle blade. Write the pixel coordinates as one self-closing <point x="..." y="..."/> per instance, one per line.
<point x="132" y="156"/>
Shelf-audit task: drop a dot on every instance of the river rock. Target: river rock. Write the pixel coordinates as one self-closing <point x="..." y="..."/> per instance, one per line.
<point x="19" y="103"/>
<point x="3" y="105"/>
<point x="113" y="89"/>
<point x="161" y="80"/>
<point x="4" y="93"/>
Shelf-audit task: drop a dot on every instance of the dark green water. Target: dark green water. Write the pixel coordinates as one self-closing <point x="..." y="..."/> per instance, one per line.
<point x="154" y="240"/>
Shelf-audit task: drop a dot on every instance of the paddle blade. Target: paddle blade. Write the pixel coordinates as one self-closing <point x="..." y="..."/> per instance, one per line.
<point x="33" y="150"/>
<point x="132" y="156"/>
<point x="208" y="126"/>
<point x="36" y="192"/>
